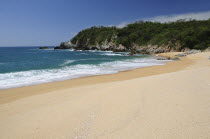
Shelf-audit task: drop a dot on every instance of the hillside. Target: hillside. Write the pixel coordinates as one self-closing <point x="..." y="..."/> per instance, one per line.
<point x="145" y="37"/>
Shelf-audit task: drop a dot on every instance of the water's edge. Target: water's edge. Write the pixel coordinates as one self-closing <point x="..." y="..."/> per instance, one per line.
<point x="71" y="68"/>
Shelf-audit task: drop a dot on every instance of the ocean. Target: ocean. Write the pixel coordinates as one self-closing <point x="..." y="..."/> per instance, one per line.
<point x="24" y="66"/>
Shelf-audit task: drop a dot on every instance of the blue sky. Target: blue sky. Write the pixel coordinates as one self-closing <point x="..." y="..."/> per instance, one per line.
<point x="48" y="22"/>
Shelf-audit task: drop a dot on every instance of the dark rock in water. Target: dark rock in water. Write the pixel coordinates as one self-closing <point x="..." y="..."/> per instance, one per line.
<point x="62" y="47"/>
<point x="94" y="48"/>
<point x="174" y="58"/>
<point x="65" y="45"/>
<point x="181" y="55"/>
<point x="167" y="58"/>
<point x="162" y="58"/>
<point x="132" y="52"/>
<point x="43" y="47"/>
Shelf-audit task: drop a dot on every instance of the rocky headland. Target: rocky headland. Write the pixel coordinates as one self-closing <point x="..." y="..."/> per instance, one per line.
<point x="144" y="37"/>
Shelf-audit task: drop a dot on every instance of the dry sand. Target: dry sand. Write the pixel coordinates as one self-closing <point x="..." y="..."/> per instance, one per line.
<point x="164" y="102"/>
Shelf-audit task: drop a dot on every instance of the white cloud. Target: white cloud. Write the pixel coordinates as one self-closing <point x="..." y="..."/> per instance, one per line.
<point x="171" y="18"/>
<point x="188" y="16"/>
<point x="122" y="25"/>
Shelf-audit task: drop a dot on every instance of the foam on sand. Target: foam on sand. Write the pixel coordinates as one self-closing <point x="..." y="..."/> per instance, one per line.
<point x="68" y="71"/>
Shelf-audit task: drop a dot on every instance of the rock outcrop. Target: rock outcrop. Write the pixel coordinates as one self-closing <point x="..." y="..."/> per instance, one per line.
<point x="166" y="58"/>
<point x="207" y="49"/>
<point x="43" y="47"/>
<point x="188" y="52"/>
<point x="106" y="46"/>
<point x="65" y="45"/>
<point x="144" y="37"/>
<point x="134" y="49"/>
<point x="111" y="46"/>
<point x="154" y="49"/>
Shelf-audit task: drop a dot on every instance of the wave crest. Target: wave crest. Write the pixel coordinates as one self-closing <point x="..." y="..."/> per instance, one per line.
<point x="25" y="78"/>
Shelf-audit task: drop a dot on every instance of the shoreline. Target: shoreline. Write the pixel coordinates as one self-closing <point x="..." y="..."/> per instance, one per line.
<point x="11" y="94"/>
<point x="71" y="68"/>
<point x="167" y="101"/>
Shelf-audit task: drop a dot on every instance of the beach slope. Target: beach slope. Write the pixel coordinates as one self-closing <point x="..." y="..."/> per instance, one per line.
<point x="167" y="105"/>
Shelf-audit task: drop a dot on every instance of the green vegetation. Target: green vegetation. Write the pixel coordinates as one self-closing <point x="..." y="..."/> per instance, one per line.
<point x="95" y="35"/>
<point x="188" y="34"/>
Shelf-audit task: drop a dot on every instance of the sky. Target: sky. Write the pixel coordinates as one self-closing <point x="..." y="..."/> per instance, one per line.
<point x="49" y="22"/>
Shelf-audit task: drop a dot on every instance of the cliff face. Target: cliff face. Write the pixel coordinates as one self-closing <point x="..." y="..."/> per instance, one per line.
<point x="105" y="46"/>
<point x="135" y="48"/>
<point x="113" y="46"/>
<point x="153" y="49"/>
<point x="110" y="46"/>
<point x="144" y="37"/>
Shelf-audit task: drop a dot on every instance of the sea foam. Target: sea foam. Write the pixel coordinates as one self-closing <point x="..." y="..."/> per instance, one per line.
<point x="32" y="77"/>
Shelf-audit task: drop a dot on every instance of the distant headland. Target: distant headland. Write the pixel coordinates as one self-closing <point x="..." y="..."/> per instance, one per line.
<point x="144" y="37"/>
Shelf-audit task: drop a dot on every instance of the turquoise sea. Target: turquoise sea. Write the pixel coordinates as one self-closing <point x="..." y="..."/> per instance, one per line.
<point x="23" y="66"/>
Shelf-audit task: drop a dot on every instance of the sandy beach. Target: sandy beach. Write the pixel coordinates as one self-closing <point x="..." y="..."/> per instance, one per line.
<point x="164" y="102"/>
